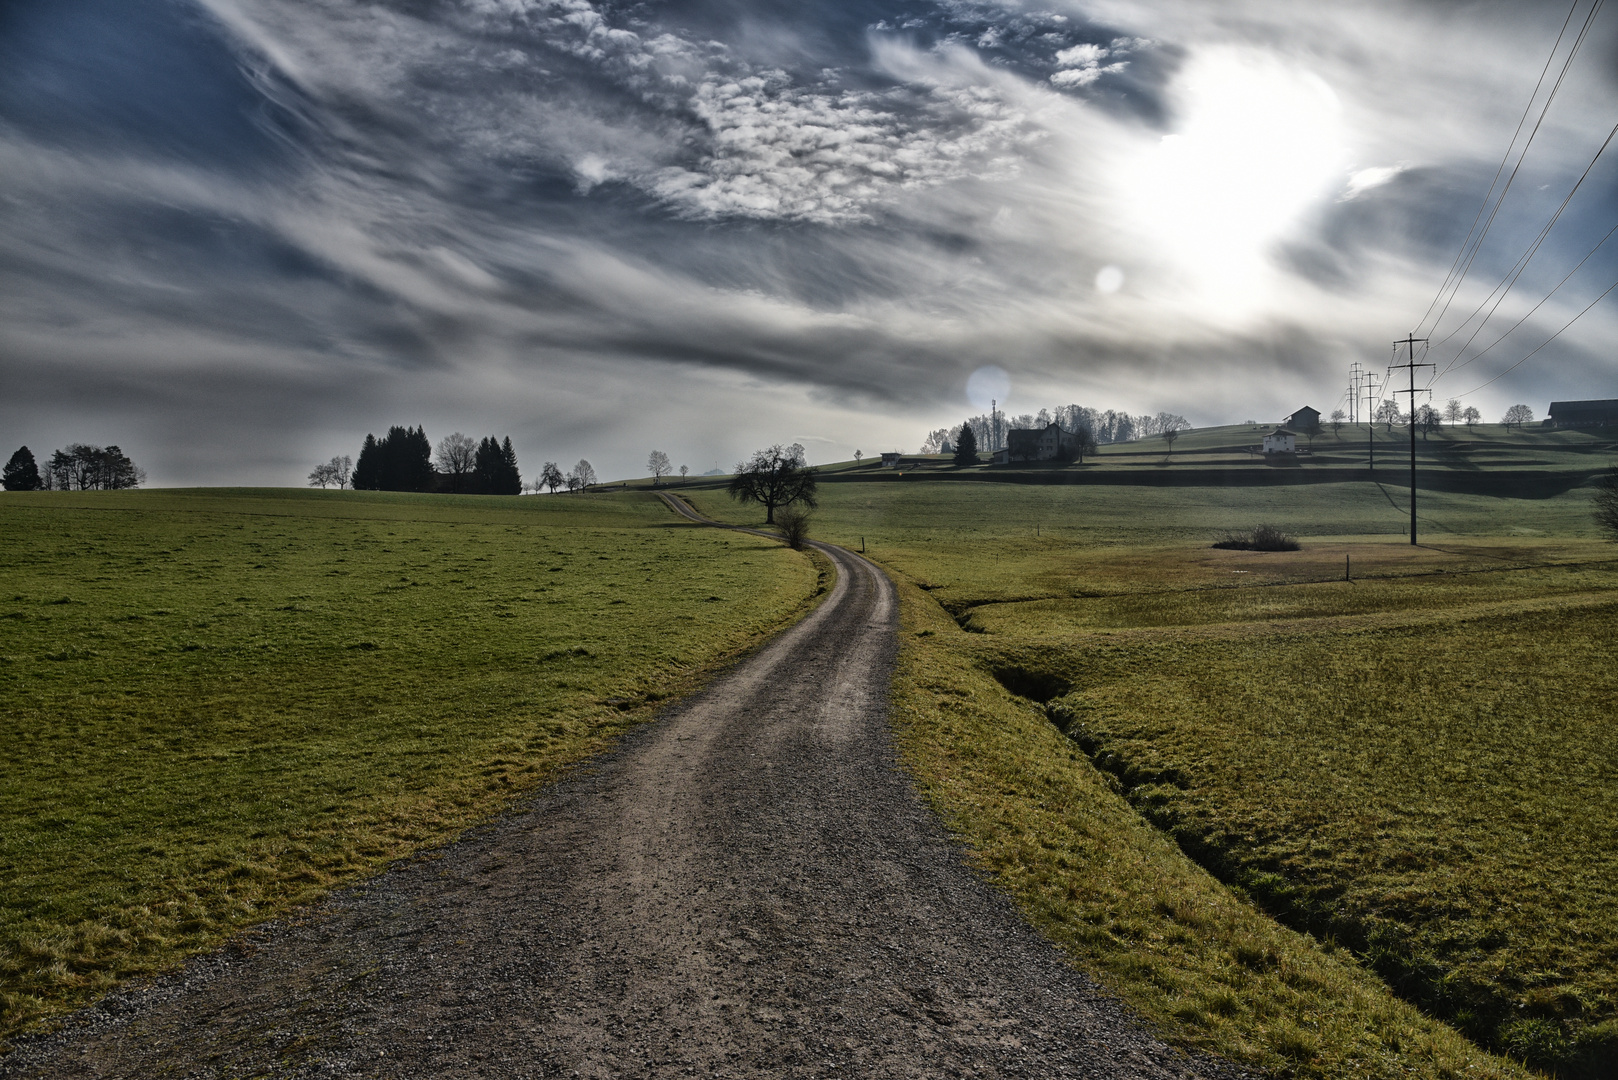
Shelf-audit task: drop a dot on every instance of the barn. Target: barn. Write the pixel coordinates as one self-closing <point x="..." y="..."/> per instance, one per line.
<point x="1583" y="414"/>
<point x="1305" y="419"/>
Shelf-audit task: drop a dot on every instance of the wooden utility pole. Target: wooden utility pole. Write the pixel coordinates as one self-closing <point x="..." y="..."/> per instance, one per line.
<point x="1410" y="342"/>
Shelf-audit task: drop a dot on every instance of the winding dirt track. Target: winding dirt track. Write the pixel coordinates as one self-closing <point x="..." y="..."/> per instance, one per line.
<point x="747" y="887"/>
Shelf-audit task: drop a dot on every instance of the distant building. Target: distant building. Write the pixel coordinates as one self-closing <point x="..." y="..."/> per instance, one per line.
<point x="890" y="459"/>
<point x="1050" y="443"/>
<point x="1282" y="441"/>
<point x="1583" y="414"/>
<point x="1305" y="419"/>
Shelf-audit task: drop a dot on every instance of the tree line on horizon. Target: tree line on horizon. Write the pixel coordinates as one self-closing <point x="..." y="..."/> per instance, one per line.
<point x="78" y="467"/>
<point x="1110" y="426"/>
<point x="1102" y="426"/>
<point x="1429" y="418"/>
<point x="405" y="460"/>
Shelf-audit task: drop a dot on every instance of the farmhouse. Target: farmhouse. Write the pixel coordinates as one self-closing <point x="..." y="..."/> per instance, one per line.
<point x="1305" y="419"/>
<point x="1050" y="443"/>
<point x="1583" y="414"/>
<point x="890" y="459"/>
<point x="1282" y="441"/>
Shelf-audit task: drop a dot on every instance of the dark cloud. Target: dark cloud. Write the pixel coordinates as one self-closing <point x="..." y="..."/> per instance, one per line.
<point x="237" y="235"/>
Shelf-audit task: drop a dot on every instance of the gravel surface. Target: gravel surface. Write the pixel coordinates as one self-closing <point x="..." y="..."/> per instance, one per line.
<point x="747" y="887"/>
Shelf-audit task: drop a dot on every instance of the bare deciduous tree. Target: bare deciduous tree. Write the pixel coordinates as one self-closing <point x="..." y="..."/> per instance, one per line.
<point x="684" y="471"/>
<point x="457" y="457"/>
<point x="1453" y="411"/>
<point x="580" y="476"/>
<point x="657" y="463"/>
<point x="1471" y="415"/>
<point x="775" y="477"/>
<point x="1518" y="415"/>
<point x="551" y="476"/>
<point x="1428" y="419"/>
<point x="336" y="471"/>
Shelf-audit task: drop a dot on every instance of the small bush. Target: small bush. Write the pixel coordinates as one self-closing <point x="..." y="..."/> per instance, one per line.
<point x="793" y="521"/>
<point x="1263" y="538"/>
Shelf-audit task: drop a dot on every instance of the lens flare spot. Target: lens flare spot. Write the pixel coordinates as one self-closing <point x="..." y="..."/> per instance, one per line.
<point x="988" y="384"/>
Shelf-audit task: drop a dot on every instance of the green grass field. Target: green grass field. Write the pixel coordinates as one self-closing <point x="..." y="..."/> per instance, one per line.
<point x="1329" y="827"/>
<point x="219" y="704"/>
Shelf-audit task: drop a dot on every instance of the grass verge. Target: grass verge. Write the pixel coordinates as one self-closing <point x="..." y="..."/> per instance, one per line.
<point x="1180" y="947"/>
<point x="219" y="705"/>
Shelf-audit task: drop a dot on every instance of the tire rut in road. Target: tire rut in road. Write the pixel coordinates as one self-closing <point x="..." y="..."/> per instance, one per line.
<point x="747" y="887"/>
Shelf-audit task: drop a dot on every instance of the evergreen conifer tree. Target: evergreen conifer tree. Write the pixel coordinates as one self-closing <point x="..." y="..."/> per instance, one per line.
<point x="966" y="448"/>
<point x="22" y="472"/>
<point x="510" y="475"/>
<point x="368" y="469"/>
<point x="486" y="473"/>
<point x="407" y="460"/>
<point x="420" y="459"/>
<point x="395" y="470"/>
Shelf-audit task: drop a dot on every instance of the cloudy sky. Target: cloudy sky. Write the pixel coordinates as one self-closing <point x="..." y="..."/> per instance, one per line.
<point x="236" y="235"/>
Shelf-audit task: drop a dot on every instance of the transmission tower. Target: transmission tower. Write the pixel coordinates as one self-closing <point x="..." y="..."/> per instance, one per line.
<point x="1410" y="342"/>
<point x="1368" y="387"/>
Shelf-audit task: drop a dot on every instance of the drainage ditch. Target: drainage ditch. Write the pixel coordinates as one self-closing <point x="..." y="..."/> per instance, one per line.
<point x="1480" y="1011"/>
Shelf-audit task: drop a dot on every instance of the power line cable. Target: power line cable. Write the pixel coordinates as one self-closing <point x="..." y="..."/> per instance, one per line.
<point x="1510" y="280"/>
<point x="1477" y="246"/>
<point x="1502" y="166"/>
<point x="1544" y="343"/>
<point x="1539" y="305"/>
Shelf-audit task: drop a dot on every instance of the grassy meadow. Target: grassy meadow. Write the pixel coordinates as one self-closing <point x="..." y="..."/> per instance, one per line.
<point x="1329" y="827"/>
<point x="219" y="704"/>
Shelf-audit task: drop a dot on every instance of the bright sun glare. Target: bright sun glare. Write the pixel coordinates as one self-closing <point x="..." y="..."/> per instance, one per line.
<point x="1257" y="142"/>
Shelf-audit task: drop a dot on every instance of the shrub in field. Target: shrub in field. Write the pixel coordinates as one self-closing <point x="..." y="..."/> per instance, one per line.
<point x="793" y="521"/>
<point x="1263" y="538"/>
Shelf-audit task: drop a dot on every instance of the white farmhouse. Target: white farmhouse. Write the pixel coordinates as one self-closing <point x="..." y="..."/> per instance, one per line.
<point x="1281" y="441"/>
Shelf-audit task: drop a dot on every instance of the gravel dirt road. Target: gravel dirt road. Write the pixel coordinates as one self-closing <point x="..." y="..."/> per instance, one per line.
<point x="747" y="887"/>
